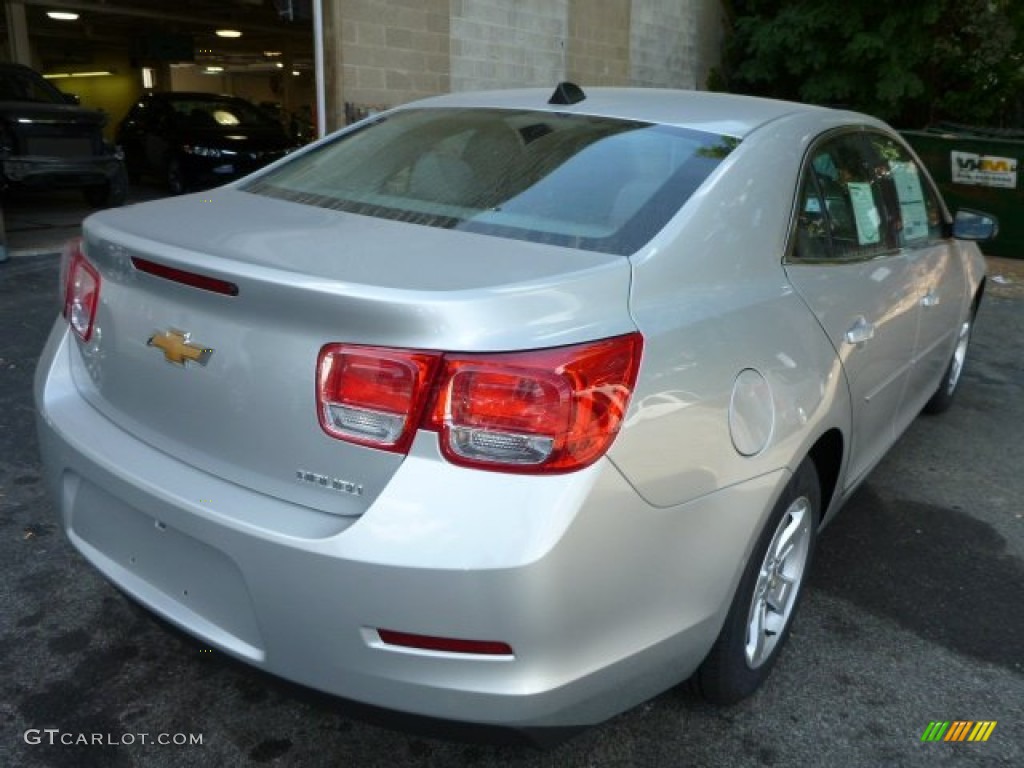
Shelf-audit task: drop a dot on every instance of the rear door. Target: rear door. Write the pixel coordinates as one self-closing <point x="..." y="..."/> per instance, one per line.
<point x="847" y="266"/>
<point x="927" y="243"/>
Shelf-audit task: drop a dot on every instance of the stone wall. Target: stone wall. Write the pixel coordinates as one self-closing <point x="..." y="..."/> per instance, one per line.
<point x="503" y="43"/>
<point x="598" y="45"/>
<point x="384" y="52"/>
<point x="393" y="51"/>
<point x="662" y="43"/>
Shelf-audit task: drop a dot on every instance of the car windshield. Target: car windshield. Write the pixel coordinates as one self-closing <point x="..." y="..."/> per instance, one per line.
<point x="585" y="182"/>
<point x="220" y="113"/>
<point x="25" y="85"/>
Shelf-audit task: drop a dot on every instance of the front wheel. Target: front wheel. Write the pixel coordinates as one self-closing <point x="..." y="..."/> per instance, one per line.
<point x="762" y="608"/>
<point x="943" y="397"/>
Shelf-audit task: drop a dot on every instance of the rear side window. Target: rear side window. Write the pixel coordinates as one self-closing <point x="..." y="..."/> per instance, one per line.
<point x="584" y="182"/>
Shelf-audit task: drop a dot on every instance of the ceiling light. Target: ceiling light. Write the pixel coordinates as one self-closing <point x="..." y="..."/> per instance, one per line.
<point x="228" y="33"/>
<point x="214" y="70"/>
<point x="271" y="54"/>
<point x="279" y="65"/>
<point x="61" y="75"/>
<point x="62" y="15"/>
<point x="296" y="72"/>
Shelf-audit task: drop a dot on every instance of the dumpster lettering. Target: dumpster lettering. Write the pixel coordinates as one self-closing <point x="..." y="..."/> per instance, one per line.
<point x="984" y="170"/>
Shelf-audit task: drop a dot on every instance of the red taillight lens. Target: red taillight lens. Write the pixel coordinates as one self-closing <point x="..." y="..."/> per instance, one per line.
<point x="545" y="411"/>
<point x="507" y="417"/>
<point x="373" y="396"/>
<point x="541" y="411"/>
<point x="81" y="291"/>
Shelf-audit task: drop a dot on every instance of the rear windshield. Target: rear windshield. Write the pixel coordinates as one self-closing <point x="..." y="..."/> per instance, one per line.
<point x="591" y="183"/>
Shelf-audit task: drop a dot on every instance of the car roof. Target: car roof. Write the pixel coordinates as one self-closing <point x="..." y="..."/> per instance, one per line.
<point x="720" y="113"/>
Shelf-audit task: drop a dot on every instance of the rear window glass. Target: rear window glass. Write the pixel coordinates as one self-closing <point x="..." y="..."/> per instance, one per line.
<point x="584" y="182"/>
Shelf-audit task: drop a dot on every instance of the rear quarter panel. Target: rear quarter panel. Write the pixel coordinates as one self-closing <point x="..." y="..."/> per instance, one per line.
<point x="712" y="299"/>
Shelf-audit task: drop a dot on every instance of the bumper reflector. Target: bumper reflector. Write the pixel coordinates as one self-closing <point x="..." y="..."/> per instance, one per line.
<point x="445" y="644"/>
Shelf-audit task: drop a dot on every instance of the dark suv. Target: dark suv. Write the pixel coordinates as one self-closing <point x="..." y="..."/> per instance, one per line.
<point x="48" y="141"/>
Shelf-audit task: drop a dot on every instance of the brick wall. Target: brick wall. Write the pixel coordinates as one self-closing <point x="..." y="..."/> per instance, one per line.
<point x="380" y="53"/>
<point x="503" y="43"/>
<point x="393" y="51"/>
<point x="598" y="46"/>
<point x="663" y="43"/>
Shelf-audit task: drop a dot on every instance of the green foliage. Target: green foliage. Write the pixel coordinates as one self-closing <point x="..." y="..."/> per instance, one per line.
<point x="909" y="62"/>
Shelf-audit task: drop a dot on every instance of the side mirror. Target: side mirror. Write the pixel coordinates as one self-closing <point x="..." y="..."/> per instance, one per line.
<point x="974" y="225"/>
<point x="72" y="98"/>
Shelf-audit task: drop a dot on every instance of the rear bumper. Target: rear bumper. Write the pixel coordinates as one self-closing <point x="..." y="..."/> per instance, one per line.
<point x="604" y="600"/>
<point x="31" y="171"/>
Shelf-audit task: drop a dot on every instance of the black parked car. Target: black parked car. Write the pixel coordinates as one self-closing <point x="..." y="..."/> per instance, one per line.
<point x="48" y="141"/>
<point x="196" y="140"/>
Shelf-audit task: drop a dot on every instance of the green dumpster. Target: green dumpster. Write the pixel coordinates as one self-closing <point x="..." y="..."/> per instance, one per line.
<point x="978" y="169"/>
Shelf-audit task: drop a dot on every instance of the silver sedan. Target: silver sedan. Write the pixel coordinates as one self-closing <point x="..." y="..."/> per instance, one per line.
<point x="515" y="408"/>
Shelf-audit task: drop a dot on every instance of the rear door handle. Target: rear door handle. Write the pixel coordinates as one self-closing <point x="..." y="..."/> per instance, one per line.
<point x="860" y="332"/>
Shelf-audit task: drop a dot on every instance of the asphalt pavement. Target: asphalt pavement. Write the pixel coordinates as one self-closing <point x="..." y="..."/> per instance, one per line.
<point x="38" y="222"/>
<point x="914" y="613"/>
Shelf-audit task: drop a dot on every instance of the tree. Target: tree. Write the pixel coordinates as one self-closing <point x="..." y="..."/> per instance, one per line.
<point x="907" y="62"/>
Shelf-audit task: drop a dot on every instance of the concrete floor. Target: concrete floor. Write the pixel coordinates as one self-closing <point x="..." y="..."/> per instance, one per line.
<point x="41" y="222"/>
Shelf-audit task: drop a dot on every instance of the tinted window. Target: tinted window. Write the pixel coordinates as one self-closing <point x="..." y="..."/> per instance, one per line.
<point x="585" y="182"/>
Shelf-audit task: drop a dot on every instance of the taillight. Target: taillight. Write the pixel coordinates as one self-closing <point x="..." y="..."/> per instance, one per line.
<point x="81" y="290"/>
<point x="543" y="411"/>
<point x="540" y="411"/>
<point x="373" y="396"/>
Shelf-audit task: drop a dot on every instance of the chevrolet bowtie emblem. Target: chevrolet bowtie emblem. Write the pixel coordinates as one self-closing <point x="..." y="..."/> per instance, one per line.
<point x="178" y="349"/>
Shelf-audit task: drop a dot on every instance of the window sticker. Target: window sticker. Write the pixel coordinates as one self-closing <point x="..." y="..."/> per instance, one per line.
<point x="911" y="197"/>
<point x="908" y="183"/>
<point x="865" y="213"/>
<point x="915" y="220"/>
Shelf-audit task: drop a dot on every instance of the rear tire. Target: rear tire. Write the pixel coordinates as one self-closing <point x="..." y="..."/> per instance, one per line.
<point x="177" y="184"/>
<point x="766" y="599"/>
<point x="110" y="194"/>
